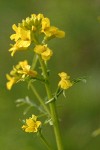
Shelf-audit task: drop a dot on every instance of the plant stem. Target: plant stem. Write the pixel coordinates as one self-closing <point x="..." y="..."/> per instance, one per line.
<point x="40" y="99"/>
<point x="35" y="59"/>
<point x="44" y="141"/>
<point x="52" y="107"/>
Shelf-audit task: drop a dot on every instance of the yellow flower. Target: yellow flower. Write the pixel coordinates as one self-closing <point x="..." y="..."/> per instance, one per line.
<point x="54" y="32"/>
<point x="22" y="39"/>
<point x="30" y="29"/>
<point x="12" y="80"/>
<point x="46" y="55"/>
<point x="64" y="83"/>
<point x="40" y="49"/>
<point x="25" y="69"/>
<point x="51" y="31"/>
<point x="44" y="51"/>
<point x="64" y="75"/>
<point x="19" y="73"/>
<point x="19" y="45"/>
<point x="20" y="33"/>
<point x="32" y="124"/>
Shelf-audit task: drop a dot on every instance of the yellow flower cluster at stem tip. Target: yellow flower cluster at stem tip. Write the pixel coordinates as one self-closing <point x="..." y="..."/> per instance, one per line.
<point x="32" y="124"/>
<point x="64" y="83"/>
<point x="44" y="51"/>
<point x="19" y="73"/>
<point x="31" y="30"/>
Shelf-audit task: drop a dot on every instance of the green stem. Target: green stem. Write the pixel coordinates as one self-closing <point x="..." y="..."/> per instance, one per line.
<point x="44" y="141"/>
<point x="34" y="62"/>
<point x="40" y="99"/>
<point x="52" y="107"/>
<point x="35" y="59"/>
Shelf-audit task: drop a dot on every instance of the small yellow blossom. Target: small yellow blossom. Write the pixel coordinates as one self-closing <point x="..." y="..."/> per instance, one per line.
<point x="20" y="34"/>
<point x="56" y="32"/>
<point x="22" y="39"/>
<point x="40" y="49"/>
<point x="32" y="124"/>
<point x="19" y="45"/>
<point x="12" y="80"/>
<point x="64" y="83"/>
<point x="44" y="51"/>
<point x="46" y="55"/>
<point x="52" y="32"/>
<point x="25" y="69"/>
<point x="19" y="73"/>
<point x="64" y="75"/>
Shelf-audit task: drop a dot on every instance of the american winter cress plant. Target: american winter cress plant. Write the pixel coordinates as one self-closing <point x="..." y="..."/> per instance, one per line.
<point x="33" y="34"/>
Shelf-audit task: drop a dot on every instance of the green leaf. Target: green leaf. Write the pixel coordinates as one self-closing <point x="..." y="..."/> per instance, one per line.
<point x="80" y="79"/>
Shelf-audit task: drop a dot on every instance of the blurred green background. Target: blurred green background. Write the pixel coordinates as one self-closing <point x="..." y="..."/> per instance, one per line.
<point x="78" y="54"/>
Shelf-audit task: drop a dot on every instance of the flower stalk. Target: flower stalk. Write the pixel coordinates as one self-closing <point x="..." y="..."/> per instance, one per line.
<point x="52" y="105"/>
<point x="40" y="99"/>
<point x="44" y="141"/>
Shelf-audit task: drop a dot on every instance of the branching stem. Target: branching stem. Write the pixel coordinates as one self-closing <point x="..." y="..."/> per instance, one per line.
<point x="52" y="106"/>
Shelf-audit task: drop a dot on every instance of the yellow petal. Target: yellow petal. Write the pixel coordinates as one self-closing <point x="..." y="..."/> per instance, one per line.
<point x="65" y="84"/>
<point x="38" y="123"/>
<point x="14" y="27"/>
<point x="11" y="81"/>
<point x="64" y="75"/>
<point x="47" y="54"/>
<point x="30" y="122"/>
<point x="39" y="49"/>
<point x="45" y="24"/>
<point x="34" y="117"/>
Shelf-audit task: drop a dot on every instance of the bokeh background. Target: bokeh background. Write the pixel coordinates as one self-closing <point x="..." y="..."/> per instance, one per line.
<point x="78" y="54"/>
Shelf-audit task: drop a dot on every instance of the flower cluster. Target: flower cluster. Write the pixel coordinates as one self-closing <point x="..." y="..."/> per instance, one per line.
<point x="35" y="30"/>
<point x="34" y="33"/>
<point x="20" y="72"/>
<point x="32" y="30"/>
<point x="64" y="83"/>
<point x="32" y="124"/>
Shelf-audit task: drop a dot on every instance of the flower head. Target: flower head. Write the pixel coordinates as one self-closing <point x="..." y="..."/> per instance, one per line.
<point x="32" y="124"/>
<point x="30" y="30"/>
<point x="64" y="83"/>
